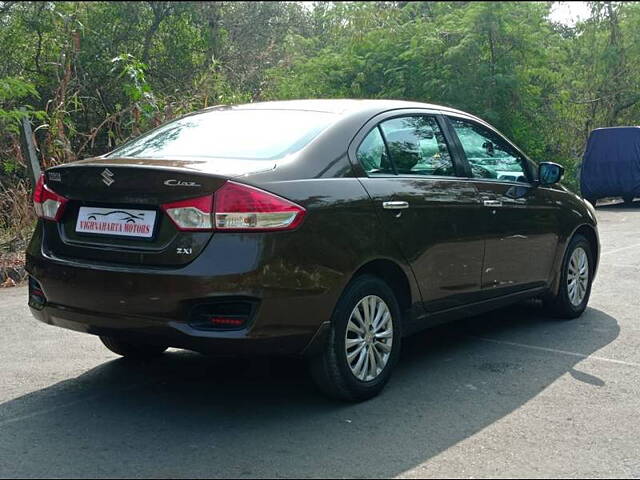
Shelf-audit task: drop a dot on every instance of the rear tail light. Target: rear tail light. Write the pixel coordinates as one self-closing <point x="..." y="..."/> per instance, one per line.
<point x="236" y="207"/>
<point x="47" y="203"/>
<point x="191" y="214"/>
<point x="240" y="207"/>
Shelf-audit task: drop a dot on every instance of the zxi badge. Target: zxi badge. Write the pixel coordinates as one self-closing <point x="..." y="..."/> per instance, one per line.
<point x="107" y="177"/>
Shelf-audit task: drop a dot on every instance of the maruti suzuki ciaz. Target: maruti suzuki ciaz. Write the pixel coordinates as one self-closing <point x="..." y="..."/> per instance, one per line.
<point x="325" y="229"/>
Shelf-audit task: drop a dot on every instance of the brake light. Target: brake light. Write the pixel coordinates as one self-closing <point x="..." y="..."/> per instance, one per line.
<point x="243" y="208"/>
<point x="235" y="207"/>
<point x="47" y="203"/>
<point x="192" y="214"/>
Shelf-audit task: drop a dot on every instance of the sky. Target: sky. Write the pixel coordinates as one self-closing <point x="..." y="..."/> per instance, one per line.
<point x="568" y="13"/>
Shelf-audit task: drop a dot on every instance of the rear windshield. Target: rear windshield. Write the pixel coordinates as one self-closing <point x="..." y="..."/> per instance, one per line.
<point x="246" y="134"/>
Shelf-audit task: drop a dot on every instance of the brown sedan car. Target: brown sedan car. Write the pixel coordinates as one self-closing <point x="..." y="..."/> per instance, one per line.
<point x="327" y="229"/>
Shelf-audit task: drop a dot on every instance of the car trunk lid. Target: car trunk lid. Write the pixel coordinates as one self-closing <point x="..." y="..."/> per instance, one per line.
<point x="118" y="193"/>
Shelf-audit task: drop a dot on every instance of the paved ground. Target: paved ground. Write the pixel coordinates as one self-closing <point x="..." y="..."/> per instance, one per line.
<point x="511" y="394"/>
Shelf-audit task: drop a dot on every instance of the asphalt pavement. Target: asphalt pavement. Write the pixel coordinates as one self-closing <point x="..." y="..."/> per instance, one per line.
<point x="508" y="394"/>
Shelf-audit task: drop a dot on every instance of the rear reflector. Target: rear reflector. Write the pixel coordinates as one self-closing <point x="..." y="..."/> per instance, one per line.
<point x="227" y="322"/>
<point x="37" y="298"/>
<point x="244" y="208"/>
<point x="236" y="207"/>
<point x="223" y="314"/>
<point x="47" y="203"/>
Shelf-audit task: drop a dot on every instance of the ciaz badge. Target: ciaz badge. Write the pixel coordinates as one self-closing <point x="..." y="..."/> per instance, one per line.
<point x="178" y="183"/>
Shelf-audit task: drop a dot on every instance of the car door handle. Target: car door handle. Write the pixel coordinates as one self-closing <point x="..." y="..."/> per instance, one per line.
<point x="492" y="203"/>
<point x="397" y="205"/>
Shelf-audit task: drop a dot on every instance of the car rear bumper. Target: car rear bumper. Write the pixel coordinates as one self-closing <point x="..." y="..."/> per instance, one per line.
<point x="177" y="334"/>
<point x="292" y="305"/>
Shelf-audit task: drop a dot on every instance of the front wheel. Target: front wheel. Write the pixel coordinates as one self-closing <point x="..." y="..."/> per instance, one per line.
<point x="363" y="344"/>
<point x="132" y="349"/>
<point x="575" y="282"/>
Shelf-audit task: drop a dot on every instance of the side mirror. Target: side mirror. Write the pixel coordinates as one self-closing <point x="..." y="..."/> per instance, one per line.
<point x="550" y="173"/>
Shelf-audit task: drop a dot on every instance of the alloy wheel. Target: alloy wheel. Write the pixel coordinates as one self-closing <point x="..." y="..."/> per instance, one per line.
<point x="578" y="276"/>
<point x="369" y="338"/>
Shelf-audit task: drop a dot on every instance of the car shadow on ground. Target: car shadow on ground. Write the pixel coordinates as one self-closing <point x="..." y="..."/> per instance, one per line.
<point x="187" y="415"/>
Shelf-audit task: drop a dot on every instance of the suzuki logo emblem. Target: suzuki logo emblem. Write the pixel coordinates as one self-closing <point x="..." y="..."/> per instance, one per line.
<point x="107" y="177"/>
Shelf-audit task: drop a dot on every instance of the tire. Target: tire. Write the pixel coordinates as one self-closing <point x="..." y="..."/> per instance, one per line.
<point x="561" y="304"/>
<point x="132" y="349"/>
<point x="628" y="200"/>
<point x="331" y="370"/>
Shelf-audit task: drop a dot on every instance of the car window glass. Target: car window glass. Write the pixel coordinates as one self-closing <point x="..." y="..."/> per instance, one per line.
<point x="372" y="154"/>
<point x="230" y="134"/>
<point x="489" y="156"/>
<point x="417" y="146"/>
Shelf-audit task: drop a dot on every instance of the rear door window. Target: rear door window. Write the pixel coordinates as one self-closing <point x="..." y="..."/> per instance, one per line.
<point x="372" y="154"/>
<point x="417" y="146"/>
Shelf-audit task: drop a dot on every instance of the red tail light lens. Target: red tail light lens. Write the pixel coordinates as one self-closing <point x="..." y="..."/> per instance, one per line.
<point x="47" y="203"/>
<point x="192" y="214"/>
<point x="235" y="207"/>
<point x="244" y="208"/>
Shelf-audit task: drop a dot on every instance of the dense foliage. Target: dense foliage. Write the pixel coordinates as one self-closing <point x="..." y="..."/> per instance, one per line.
<point x="92" y="74"/>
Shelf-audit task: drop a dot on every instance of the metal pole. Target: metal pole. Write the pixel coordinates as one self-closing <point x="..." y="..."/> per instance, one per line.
<point x="29" y="149"/>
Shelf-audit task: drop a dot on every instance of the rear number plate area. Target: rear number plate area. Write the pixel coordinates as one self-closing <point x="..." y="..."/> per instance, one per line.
<point x="123" y="222"/>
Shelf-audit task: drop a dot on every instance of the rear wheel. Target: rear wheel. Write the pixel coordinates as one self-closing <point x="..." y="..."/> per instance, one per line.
<point x="132" y="349"/>
<point x="363" y="344"/>
<point x="575" y="283"/>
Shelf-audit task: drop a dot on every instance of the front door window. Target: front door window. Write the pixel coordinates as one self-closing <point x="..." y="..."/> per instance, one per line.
<point x="488" y="155"/>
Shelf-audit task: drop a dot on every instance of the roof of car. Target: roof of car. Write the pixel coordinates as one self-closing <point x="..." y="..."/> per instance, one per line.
<point x="338" y="106"/>
<point x="616" y="130"/>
